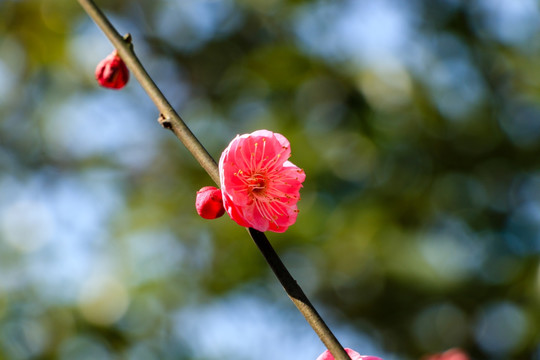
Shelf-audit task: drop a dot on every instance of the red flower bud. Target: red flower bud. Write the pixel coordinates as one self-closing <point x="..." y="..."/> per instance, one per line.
<point x="209" y="203"/>
<point x="112" y="72"/>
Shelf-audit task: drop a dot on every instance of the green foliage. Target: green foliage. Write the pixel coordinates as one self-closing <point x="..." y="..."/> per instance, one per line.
<point x="419" y="220"/>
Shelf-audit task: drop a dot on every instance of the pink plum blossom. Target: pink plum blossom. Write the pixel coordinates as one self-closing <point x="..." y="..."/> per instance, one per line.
<point x="260" y="186"/>
<point x="353" y="355"/>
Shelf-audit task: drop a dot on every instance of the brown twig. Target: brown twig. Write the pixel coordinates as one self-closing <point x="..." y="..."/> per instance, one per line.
<point x="169" y="119"/>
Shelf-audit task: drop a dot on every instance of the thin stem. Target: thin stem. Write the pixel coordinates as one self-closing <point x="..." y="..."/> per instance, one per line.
<point x="171" y="120"/>
<point x="296" y="294"/>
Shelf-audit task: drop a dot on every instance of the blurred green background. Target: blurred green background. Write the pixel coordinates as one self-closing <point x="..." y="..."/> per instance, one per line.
<point x="418" y="126"/>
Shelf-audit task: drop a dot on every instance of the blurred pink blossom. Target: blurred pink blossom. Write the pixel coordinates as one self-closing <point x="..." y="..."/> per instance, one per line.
<point x="452" y="354"/>
<point x="353" y="354"/>
<point x="260" y="186"/>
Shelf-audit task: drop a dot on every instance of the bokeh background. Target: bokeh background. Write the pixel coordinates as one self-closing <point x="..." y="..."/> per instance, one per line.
<point x="417" y="123"/>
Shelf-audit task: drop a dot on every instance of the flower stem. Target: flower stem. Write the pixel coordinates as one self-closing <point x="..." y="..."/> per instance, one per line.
<point x="171" y="120"/>
<point x="296" y="294"/>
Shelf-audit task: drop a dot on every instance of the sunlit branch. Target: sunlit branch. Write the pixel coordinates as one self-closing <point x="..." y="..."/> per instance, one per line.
<point x="171" y="120"/>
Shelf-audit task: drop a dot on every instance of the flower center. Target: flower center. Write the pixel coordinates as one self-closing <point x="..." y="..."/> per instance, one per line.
<point x="257" y="185"/>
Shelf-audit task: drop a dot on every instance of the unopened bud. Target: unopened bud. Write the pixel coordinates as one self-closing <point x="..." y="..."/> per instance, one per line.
<point x="112" y="72"/>
<point x="209" y="203"/>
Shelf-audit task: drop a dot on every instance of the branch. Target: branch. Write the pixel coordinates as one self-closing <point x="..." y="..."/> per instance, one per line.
<point x="169" y="119"/>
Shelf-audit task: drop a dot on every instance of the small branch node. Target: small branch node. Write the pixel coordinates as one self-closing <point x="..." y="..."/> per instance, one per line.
<point x="165" y="121"/>
<point x="128" y="40"/>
